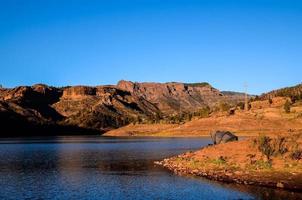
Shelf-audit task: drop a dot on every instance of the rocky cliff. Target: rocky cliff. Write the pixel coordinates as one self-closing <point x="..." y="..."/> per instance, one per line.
<point x="45" y="110"/>
<point x="175" y="97"/>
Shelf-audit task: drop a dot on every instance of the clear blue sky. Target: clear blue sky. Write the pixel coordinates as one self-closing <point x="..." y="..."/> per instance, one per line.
<point x="93" y="42"/>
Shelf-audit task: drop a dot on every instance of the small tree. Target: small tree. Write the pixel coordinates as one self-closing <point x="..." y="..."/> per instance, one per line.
<point x="204" y="112"/>
<point x="224" y="106"/>
<point x="270" y="101"/>
<point x="287" y="106"/>
<point x="265" y="147"/>
<point x="241" y="105"/>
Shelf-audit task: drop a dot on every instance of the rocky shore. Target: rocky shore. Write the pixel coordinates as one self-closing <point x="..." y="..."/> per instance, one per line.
<point x="238" y="162"/>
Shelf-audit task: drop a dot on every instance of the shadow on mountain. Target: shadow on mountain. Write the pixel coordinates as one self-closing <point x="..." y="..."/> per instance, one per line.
<point x="14" y="125"/>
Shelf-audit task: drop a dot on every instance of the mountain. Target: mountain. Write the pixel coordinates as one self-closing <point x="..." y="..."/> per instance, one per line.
<point x="273" y="113"/>
<point x="175" y="97"/>
<point x="46" y="110"/>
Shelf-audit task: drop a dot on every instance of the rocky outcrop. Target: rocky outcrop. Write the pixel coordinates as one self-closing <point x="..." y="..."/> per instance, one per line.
<point x="36" y="94"/>
<point x="102" y="107"/>
<point x="78" y="92"/>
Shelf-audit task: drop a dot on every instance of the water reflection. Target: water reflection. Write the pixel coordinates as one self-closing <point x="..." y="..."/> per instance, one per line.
<point x="108" y="168"/>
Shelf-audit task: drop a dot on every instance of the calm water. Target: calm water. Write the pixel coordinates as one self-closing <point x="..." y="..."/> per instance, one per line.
<point x="108" y="168"/>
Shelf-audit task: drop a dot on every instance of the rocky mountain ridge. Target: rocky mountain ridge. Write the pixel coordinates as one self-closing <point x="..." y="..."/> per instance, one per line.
<point x="40" y="108"/>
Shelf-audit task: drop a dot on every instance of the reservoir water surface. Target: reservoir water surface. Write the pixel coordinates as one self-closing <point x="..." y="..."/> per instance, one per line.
<point x="96" y="167"/>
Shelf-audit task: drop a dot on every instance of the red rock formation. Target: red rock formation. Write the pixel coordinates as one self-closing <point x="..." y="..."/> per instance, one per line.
<point x="174" y="97"/>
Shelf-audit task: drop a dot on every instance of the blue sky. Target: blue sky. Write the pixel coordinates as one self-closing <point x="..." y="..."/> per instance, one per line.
<point x="223" y="42"/>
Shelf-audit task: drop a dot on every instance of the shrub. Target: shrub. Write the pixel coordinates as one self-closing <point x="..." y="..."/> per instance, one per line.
<point x="189" y="116"/>
<point x="297" y="154"/>
<point x="299" y="115"/>
<point x="202" y="84"/>
<point x="287" y="106"/>
<point x="241" y="105"/>
<point x="265" y="147"/>
<point x="219" y="161"/>
<point x="270" y="101"/>
<point x="260" y="164"/>
<point x="280" y="143"/>
<point x="203" y="112"/>
<point x="224" y="106"/>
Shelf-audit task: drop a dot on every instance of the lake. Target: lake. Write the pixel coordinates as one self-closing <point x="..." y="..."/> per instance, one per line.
<point x="96" y="167"/>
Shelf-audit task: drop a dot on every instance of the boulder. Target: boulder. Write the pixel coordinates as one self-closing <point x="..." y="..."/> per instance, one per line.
<point x="219" y="137"/>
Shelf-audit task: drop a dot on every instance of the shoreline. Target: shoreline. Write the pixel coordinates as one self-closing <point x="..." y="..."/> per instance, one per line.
<point x="238" y="162"/>
<point x="226" y="177"/>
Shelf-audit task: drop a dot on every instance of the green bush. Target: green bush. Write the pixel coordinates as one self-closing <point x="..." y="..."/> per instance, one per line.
<point x="202" y="84"/>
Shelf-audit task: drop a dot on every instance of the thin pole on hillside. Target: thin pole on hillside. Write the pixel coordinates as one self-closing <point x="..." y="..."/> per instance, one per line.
<point x="246" y="102"/>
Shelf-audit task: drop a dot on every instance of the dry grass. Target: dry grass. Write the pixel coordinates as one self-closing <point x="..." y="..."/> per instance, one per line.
<point x="269" y="121"/>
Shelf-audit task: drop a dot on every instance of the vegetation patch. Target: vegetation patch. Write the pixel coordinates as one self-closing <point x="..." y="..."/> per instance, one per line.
<point x="219" y="161"/>
<point x="201" y="84"/>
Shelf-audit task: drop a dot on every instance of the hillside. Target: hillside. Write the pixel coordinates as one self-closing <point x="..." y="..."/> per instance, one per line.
<point x="264" y="116"/>
<point x="294" y="92"/>
<point x="270" y="120"/>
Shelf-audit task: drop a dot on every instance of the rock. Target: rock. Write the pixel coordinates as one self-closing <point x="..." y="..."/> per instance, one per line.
<point x="238" y="172"/>
<point x="158" y="162"/>
<point x="223" y="137"/>
<point x="229" y="174"/>
<point x="280" y="185"/>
